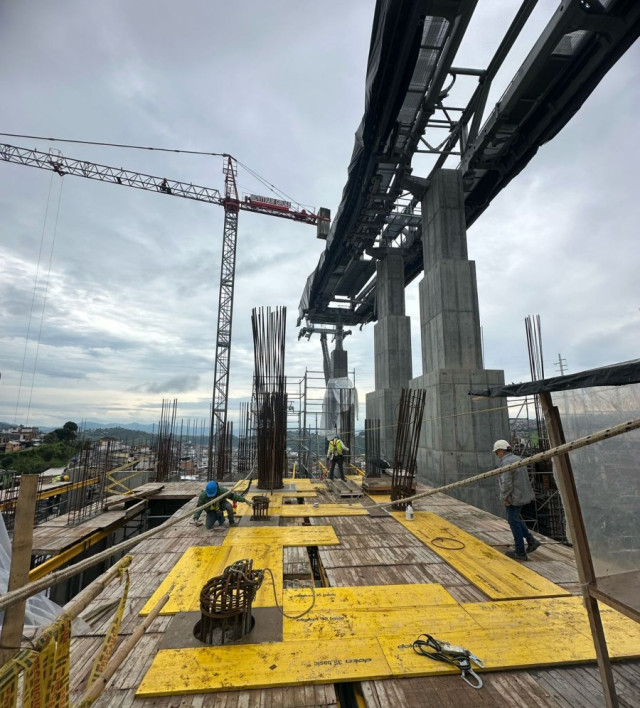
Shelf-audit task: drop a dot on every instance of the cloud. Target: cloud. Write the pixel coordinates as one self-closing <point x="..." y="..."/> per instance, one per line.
<point x="178" y="384"/>
<point x="125" y="306"/>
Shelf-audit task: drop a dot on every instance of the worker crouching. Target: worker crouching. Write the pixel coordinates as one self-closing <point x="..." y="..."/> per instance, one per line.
<point x="215" y="511"/>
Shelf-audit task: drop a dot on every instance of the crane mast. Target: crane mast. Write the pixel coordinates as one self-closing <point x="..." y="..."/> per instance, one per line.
<point x="232" y="206"/>
<point x="218" y="428"/>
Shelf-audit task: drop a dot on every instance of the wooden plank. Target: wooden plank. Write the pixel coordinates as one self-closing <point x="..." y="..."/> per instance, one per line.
<point x="411" y="555"/>
<point x="208" y="669"/>
<point x="309" y="510"/>
<point x="499" y="577"/>
<point x="359" y="645"/>
<point x="11" y="634"/>
<point x="201" y="563"/>
<point x="282" y="535"/>
<point x="184" y="582"/>
<point x="371" y="598"/>
<point x="332" y="624"/>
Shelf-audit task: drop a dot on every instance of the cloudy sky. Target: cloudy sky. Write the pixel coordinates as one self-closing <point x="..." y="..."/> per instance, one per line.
<point x="109" y="295"/>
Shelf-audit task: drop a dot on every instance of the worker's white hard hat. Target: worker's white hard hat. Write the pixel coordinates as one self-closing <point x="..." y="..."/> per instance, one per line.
<point x="501" y="445"/>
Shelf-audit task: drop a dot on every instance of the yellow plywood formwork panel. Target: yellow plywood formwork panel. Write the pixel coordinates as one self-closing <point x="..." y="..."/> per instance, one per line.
<point x="274" y="504"/>
<point x="279" y="494"/>
<point x="197" y="562"/>
<point x="200" y="564"/>
<point x="294" y="510"/>
<point x="333" y="624"/>
<point x="565" y="613"/>
<point x="367" y="645"/>
<point x="380" y="498"/>
<point x="304" y="484"/>
<point x="206" y="669"/>
<point x="368" y="598"/>
<point x="283" y="535"/>
<point x="554" y="633"/>
<point x="489" y="570"/>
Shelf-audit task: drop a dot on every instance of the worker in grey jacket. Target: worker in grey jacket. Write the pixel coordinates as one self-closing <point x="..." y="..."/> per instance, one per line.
<point x="515" y="492"/>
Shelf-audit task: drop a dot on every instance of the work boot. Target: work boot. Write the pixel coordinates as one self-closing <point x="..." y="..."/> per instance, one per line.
<point x="532" y="545"/>
<point x="516" y="556"/>
<point x="232" y="522"/>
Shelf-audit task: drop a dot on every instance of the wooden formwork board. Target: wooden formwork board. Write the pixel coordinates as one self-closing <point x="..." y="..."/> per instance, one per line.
<point x="498" y="576"/>
<point x="294" y="510"/>
<point x="367" y="598"/>
<point x="201" y="563"/>
<point x="505" y="635"/>
<point x="277" y="495"/>
<point x="262" y="544"/>
<point x="206" y="669"/>
<point x="282" y="535"/>
<point x="320" y="625"/>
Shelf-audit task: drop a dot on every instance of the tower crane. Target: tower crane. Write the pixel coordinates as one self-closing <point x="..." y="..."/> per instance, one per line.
<point x="232" y="204"/>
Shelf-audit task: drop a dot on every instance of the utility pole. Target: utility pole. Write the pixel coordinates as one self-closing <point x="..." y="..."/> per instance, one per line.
<point x="561" y="365"/>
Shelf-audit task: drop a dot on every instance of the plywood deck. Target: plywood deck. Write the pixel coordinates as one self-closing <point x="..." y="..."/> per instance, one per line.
<point x="53" y="537"/>
<point x="380" y="554"/>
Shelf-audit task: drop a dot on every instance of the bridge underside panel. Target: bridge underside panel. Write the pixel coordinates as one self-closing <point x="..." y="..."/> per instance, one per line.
<point x="413" y="47"/>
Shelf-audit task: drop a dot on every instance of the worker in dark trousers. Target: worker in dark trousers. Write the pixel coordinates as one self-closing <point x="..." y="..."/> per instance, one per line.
<point x="515" y="492"/>
<point x="335" y="456"/>
<point x="215" y="512"/>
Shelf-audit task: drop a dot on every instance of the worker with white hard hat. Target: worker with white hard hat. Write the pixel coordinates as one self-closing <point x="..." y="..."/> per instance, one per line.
<point x="515" y="491"/>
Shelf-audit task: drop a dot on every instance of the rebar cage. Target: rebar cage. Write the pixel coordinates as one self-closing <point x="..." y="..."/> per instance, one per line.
<point x="225" y="604"/>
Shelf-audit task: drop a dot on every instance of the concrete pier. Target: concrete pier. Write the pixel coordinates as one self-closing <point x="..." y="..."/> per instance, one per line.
<point x="457" y="433"/>
<point x="392" y="347"/>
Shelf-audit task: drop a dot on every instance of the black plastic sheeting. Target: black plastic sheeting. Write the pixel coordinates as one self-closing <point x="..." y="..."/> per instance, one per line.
<point x="395" y="43"/>
<point x="627" y="372"/>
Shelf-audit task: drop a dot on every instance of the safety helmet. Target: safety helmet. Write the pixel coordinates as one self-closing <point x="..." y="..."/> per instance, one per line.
<point x="501" y="445"/>
<point x="65" y="477"/>
<point x="212" y="489"/>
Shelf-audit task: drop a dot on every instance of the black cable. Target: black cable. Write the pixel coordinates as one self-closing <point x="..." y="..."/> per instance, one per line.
<point x="420" y="647"/>
<point x="118" y="145"/>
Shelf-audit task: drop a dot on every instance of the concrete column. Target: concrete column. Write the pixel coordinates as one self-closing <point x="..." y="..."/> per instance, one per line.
<point x="458" y="433"/>
<point x="392" y="348"/>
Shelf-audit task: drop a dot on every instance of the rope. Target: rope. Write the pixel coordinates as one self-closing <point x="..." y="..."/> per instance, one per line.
<point x="275" y="595"/>
<point x="540" y="457"/>
<point x="11" y="598"/>
<point x="447" y="548"/>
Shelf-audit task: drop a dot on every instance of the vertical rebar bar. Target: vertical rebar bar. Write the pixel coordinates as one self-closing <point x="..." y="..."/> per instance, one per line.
<point x="269" y="329"/>
<point x="407" y="441"/>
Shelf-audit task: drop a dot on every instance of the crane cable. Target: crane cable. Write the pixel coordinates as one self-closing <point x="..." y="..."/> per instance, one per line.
<point x="118" y="145"/>
<point x="44" y="301"/>
<point x="265" y="182"/>
<point x="33" y="296"/>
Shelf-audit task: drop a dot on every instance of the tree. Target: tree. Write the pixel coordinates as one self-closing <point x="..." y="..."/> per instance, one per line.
<point x="67" y="433"/>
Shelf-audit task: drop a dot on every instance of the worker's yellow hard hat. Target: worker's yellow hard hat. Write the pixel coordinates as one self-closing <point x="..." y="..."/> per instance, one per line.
<point x="65" y="477"/>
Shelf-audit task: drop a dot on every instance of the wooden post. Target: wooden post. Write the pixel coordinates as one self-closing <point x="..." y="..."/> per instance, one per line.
<point x="13" y="624"/>
<point x="586" y="573"/>
<point x="123" y="651"/>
